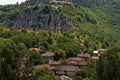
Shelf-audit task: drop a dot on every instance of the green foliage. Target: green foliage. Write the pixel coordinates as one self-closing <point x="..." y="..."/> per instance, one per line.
<point x="108" y="67"/>
<point x="92" y="27"/>
<point x="88" y="72"/>
<point x="34" y="58"/>
<point x="44" y="74"/>
<point x="22" y="49"/>
<point x="9" y="60"/>
<point x="95" y="24"/>
<point x="64" y="62"/>
<point x="36" y="1"/>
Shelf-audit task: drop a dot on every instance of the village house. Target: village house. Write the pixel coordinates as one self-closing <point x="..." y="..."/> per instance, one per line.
<point x="96" y="53"/>
<point x="66" y="70"/>
<point x="55" y="63"/>
<point x="60" y="2"/>
<point x="35" y="49"/>
<point x="95" y="57"/>
<point x="85" y="56"/>
<point x="77" y="61"/>
<point x="47" y="57"/>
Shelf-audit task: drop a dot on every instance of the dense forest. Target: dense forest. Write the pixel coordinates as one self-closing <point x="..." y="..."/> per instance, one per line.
<point x="66" y="30"/>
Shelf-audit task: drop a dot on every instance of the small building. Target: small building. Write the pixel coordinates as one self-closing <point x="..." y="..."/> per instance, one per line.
<point x="48" y="56"/>
<point x="35" y="49"/>
<point x="66" y="70"/>
<point x="85" y="56"/>
<point x="80" y="64"/>
<point x="95" y="53"/>
<point x="95" y="57"/>
<point x="78" y="61"/>
<point x="55" y="63"/>
<point x="60" y="2"/>
<point x="75" y="59"/>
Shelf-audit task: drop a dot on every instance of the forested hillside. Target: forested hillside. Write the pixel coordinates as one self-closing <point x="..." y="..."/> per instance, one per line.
<point x="106" y="9"/>
<point x="66" y="30"/>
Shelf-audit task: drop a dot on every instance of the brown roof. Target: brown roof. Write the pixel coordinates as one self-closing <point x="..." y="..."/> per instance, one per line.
<point x="55" y="63"/>
<point x="83" y="63"/>
<point x="48" y="54"/>
<point x="42" y="66"/>
<point x="76" y="59"/>
<point x="35" y="49"/>
<point x="76" y="63"/>
<point x="86" y="55"/>
<point x="67" y="68"/>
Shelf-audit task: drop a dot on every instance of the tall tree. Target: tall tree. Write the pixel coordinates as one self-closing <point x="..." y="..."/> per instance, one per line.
<point x="108" y="67"/>
<point x="44" y="74"/>
<point x="9" y="60"/>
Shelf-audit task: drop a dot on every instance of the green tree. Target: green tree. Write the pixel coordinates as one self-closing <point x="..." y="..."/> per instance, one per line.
<point x="88" y="72"/>
<point x="9" y="60"/>
<point x="44" y="74"/>
<point x="108" y="67"/>
<point x="34" y="58"/>
<point x="22" y="49"/>
<point x="64" y="62"/>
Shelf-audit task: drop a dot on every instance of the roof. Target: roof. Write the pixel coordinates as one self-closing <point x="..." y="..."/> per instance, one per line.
<point x="86" y="55"/>
<point x="42" y="66"/>
<point x="35" y="49"/>
<point x="75" y="59"/>
<point x="60" y="2"/>
<point x="67" y="68"/>
<point x="95" y="57"/>
<point x="48" y="54"/>
<point x="82" y="63"/>
<point x="55" y="63"/>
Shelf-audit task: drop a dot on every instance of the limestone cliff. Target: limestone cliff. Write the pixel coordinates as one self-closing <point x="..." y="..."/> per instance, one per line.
<point x="38" y="18"/>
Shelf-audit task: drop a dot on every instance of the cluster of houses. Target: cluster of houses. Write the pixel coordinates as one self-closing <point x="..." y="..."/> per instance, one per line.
<point x="60" y="2"/>
<point x="75" y="63"/>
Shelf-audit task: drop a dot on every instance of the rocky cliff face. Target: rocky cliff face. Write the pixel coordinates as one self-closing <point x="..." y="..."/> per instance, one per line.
<point x="38" y="20"/>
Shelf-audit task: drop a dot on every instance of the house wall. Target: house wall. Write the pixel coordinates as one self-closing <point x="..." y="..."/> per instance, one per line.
<point x="47" y="59"/>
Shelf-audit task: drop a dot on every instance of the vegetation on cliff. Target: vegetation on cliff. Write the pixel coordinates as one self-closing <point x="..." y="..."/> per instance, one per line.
<point x="63" y="29"/>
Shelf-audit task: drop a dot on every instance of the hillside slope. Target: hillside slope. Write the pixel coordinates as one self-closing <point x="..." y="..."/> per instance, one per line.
<point x="107" y="9"/>
<point x="89" y="25"/>
<point x="45" y="17"/>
